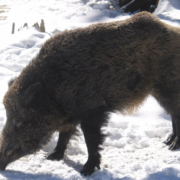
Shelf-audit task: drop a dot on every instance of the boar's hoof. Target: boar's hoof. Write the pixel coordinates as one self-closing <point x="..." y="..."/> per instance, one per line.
<point x="89" y="167"/>
<point x="87" y="171"/>
<point x="170" y="139"/>
<point x="175" y="144"/>
<point x="55" y="156"/>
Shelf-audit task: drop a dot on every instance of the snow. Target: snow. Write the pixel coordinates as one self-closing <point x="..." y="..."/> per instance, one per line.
<point x="133" y="149"/>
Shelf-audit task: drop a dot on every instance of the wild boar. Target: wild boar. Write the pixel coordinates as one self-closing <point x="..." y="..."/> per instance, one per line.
<point x="81" y="75"/>
<point x="141" y="5"/>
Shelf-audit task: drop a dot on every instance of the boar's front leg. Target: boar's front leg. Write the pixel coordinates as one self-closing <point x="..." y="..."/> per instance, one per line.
<point x="60" y="148"/>
<point x="91" y="127"/>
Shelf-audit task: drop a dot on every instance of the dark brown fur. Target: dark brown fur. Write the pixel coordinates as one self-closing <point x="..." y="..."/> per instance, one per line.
<point x="141" y="5"/>
<point x="81" y="75"/>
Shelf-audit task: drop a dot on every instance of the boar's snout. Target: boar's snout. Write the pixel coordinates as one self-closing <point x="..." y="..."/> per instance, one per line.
<point x="3" y="163"/>
<point x="2" y="166"/>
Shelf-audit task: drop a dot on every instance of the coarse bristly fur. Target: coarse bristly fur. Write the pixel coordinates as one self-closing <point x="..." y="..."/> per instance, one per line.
<point x="81" y="75"/>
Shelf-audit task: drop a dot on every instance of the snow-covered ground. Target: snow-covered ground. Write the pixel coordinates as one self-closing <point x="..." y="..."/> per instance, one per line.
<point x="134" y="149"/>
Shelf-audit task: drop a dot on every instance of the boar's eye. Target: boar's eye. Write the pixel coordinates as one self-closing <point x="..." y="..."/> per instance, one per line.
<point x="18" y="124"/>
<point x="8" y="153"/>
<point x="13" y="151"/>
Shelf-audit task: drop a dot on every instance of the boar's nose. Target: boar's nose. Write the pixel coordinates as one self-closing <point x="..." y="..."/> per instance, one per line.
<point x="3" y="163"/>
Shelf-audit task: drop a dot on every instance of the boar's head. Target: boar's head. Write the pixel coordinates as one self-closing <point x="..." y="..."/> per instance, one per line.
<point x="29" y="122"/>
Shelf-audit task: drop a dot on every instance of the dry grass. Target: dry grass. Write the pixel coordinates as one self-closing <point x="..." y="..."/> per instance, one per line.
<point x="3" y="9"/>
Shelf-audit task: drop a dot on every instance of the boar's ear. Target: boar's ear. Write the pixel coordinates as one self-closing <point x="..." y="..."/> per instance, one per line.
<point x="11" y="81"/>
<point x="32" y="95"/>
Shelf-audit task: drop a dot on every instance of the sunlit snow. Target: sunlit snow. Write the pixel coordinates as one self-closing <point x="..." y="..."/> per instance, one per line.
<point x="133" y="149"/>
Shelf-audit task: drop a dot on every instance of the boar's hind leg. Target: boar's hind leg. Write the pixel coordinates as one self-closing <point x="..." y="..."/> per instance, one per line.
<point x="174" y="137"/>
<point x="91" y="127"/>
<point x="60" y="148"/>
<point x="169" y="99"/>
